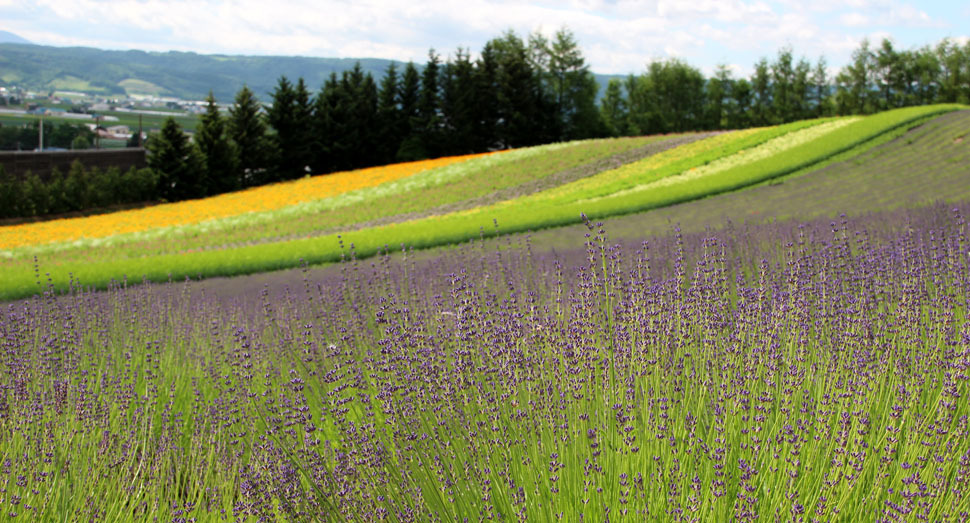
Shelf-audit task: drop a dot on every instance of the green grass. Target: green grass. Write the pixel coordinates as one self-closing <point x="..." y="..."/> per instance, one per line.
<point x="73" y="83"/>
<point x="135" y="86"/>
<point x="527" y="213"/>
<point x="393" y="201"/>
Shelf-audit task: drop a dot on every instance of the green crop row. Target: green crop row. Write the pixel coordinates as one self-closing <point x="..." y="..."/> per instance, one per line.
<point x="682" y="159"/>
<point x="414" y="194"/>
<point x="522" y="214"/>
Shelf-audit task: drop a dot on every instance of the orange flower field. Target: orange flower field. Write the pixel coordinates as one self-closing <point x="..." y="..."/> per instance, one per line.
<point x="266" y="198"/>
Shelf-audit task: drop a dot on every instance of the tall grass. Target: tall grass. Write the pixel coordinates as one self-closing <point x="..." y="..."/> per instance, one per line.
<point x="810" y="372"/>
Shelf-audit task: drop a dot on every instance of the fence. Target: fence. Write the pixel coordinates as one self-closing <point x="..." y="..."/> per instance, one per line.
<point x="42" y="163"/>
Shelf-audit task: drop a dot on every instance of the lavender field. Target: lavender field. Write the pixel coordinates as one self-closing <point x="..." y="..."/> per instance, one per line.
<point x="785" y="372"/>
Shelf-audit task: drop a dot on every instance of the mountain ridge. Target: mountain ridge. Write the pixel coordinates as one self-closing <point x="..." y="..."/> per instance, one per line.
<point x="180" y="74"/>
<point x="8" y="37"/>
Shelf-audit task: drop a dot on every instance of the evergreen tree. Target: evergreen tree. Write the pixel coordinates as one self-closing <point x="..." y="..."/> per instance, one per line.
<point x="819" y="96"/>
<point x="761" y="102"/>
<point x="177" y="162"/>
<point x="523" y="118"/>
<point x="409" y="147"/>
<point x="718" y="92"/>
<point x="291" y="117"/>
<point x="301" y="147"/>
<point x="800" y="90"/>
<point x="429" y="105"/>
<point x="281" y="117"/>
<point x="248" y="132"/>
<point x="573" y="89"/>
<point x="390" y="124"/>
<point x="221" y="157"/>
<point x="486" y="112"/>
<point x="739" y="115"/>
<point x="345" y="121"/>
<point x="328" y="114"/>
<point x="613" y="109"/>
<point x="855" y="85"/>
<point x="458" y="105"/>
<point x="363" y="117"/>
<point x="669" y="97"/>
<point x="949" y="68"/>
<point x="782" y="88"/>
<point x="356" y="118"/>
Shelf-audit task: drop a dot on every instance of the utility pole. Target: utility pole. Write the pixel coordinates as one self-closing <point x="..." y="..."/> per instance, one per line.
<point x="139" y="129"/>
<point x="97" y="132"/>
<point x="41" y="133"/>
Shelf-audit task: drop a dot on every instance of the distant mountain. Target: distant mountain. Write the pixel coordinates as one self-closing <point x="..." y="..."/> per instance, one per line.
<point x="188" y="76"/>
<point x="7" y="37"/>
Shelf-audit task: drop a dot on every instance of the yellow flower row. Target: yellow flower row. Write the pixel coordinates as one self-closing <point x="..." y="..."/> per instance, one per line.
<point x="267" y="198"/>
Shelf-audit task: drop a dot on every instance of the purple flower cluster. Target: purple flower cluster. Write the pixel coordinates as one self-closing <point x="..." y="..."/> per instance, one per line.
<point x="813" y="372"/>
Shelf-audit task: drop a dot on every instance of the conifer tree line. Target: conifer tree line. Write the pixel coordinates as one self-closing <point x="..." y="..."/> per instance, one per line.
<point x="520" y="92"/>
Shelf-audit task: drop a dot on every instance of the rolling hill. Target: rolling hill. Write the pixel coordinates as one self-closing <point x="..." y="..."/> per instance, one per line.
<point x="793" y="170"/>
<point x="6" y="37"/>
<point x="183" y="75"/>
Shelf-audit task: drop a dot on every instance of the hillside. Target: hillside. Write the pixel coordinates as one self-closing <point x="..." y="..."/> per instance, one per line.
<point x="452" y="200"/>
<point x="6" y="37"/>
<point x="183" y="75"/>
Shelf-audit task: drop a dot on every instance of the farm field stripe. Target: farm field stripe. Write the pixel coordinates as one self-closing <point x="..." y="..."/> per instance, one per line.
<point x="740" y="159"/>
<point x="670" y="163"/>
<point x="533" y="167"/>
<point x="303" y="215"/>
<point x="548" y="182"/>
<point x="455" y="228"/>
<point x="264" y="198"/>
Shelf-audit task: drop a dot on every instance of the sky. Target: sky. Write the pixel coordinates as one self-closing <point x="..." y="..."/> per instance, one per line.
<point x="616" y="36"/>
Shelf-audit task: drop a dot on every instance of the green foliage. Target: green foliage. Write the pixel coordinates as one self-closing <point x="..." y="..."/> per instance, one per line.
<point x="391" y="124"/>
<point x="572" y="88"/>
<point x="521" y="116"/>
<point x="177" y="161"/>
<point x="79" y="190"/>
<point x="291" y="116"/>
<point x="248" y="131"/>
<point x="36" y="197"/>
<point x="427" y="126"/>
<point x="460" y="110"/>
<point x="345" y="122"/>
<point x="613" y="110"/>
<point x="220" y="153"/>
<point x="11" y="195"/>
<point x="668" y="98"/>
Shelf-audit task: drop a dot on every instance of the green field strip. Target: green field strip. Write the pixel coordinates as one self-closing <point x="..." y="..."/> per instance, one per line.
<point x="452" y="183"/>
<point x="906" y="172"/>
<point x="691" y="156"/>
<point x="511" y="217"/>
<point x="935" y="135"/>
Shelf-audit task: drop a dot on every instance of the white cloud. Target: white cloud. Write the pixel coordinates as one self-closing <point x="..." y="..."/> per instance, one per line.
<point x="854" y="20"/>
<point x="617" y="36"/>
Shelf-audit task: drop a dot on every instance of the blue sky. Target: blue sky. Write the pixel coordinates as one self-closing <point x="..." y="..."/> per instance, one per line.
<point x="617" y="36"/>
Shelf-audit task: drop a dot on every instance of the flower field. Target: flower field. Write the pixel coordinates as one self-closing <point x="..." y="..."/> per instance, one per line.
<point x="380" y="193"/>
<point x="810" y="372"/>
<point x="260" y="199"/>
<point x="202" y="252"/>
